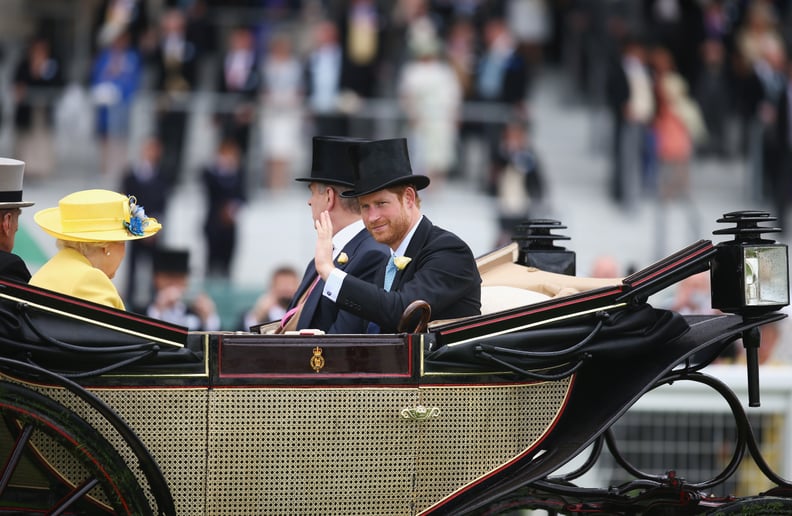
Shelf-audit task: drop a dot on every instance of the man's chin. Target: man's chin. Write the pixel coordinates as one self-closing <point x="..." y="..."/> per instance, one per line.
<point x="381" y="238"/>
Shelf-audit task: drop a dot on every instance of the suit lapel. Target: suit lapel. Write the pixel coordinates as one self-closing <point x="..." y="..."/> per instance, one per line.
<point x="311" y="303"/>
<point x="305" y="284"/>
<point x="313" y="299"/>
<point x="352" y="246"/>
<point x="417" y="243"/>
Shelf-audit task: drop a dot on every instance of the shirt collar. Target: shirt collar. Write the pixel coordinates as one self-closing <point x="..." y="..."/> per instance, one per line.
<point x="345" y="235"/>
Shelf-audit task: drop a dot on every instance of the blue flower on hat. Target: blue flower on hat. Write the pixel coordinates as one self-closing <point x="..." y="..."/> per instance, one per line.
<point x="137" y="218"/>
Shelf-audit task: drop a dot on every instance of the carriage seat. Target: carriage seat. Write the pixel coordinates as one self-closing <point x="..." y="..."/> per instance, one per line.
<point x="497" y="298"/>
<point x="506" y="284"/>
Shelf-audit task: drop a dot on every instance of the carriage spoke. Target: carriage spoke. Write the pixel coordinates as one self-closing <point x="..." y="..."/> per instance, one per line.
<point x="75" y="494"/>
<point x="16" y="454"/>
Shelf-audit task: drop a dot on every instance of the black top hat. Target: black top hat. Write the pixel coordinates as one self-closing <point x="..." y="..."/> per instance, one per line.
<point x="331" y="163"/>
<point x="174" y="261"/>
<point x="381" y="164"/>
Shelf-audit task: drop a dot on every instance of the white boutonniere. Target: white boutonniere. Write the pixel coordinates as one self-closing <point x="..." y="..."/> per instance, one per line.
<point x="401" y="262"/>
<point x="342" y="258"/>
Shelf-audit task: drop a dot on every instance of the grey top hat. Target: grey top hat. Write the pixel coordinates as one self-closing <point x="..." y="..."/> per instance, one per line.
<point x="381" y="164"/>
<point x="11" y="172"/>
<point x="331" y="161"/>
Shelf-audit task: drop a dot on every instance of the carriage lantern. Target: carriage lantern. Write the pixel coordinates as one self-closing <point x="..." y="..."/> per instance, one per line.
<point x="761" y="264"/>
<point x="537" y="246"/>
<point x="762" y="280"/>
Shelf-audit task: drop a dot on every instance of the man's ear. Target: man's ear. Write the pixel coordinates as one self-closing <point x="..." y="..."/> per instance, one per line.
<point x="409" y="196"/>
<point x="332" y="197"/>
<point x="5" y="223"/>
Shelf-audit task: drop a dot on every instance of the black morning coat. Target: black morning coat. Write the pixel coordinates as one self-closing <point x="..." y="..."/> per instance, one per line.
<point x="442" y="272"/>
<point x="12" y="267"/>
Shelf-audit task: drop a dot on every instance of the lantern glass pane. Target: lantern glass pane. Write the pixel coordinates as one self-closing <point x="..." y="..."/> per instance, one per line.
<point x="766" y="275"/>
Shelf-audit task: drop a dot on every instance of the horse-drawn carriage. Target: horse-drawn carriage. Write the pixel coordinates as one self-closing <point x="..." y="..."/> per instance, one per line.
<point x="109" y="412"/>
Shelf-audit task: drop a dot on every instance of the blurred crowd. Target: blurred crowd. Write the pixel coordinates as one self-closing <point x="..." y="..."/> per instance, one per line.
<point x="681" y="79"/>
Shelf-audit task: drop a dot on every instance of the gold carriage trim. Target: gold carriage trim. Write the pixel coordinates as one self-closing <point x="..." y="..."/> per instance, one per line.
<point x="317" y="360"/>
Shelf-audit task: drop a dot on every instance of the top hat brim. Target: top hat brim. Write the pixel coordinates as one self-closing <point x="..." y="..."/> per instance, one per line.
<point x="417" y="180"/>
<point x="324" y="180"/>
<point x="12" y="205"/>
<point x="49" y="220"/>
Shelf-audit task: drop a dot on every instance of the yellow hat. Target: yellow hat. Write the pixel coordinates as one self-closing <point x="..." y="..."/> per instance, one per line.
<point x="97" y="216"/>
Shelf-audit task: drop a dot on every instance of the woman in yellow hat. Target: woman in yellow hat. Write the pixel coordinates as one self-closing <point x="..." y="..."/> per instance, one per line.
<point x="92" y="227"/>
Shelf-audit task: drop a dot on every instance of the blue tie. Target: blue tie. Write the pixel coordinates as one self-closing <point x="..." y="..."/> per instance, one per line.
<point x="390" y="273"/>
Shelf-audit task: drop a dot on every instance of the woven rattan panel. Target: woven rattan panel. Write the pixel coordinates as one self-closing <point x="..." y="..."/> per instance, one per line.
<point x="327" y="451"/>
<point x="310" y="451"/>
<point x="172" y="425"/>
<point x="479" y="429"/>
<point x="353" y="451"/>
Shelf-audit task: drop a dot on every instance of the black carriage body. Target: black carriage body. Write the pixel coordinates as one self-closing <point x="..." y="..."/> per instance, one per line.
<point x="443" y="422"/>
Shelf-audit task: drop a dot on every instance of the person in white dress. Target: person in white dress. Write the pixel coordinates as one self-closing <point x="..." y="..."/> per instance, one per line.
<point x="431" y="96"/>
<point x="282" y="115"/>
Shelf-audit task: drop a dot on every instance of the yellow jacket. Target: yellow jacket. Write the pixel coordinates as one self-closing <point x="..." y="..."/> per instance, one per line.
<point x="69" y="272"/>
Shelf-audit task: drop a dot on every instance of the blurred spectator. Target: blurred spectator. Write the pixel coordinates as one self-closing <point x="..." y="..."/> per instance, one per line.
<point x="410" y="22"/>
<point x="272" y="305"/>
<point x="360" y="30"/>
<point x="529" y="21"/>
<point x="460" y="49"/>
<point x="170" y="302"/>
<point x="239" y="86"/>
<point x="145" y="179"/>
<point x="201" y="29"/>
<point x="461" y="53"/>
<point x="502" y="73"/>
<point x="678" y="26"/>
<point x="114" y="17"/>
<point x="758" y="31"/>
<point x="176" y="60"/>
<point x="282" y="115"/>
<point x="502" y="76"/>
<point x="631" y="100"/>
<point x="765" y="91"/>
<point x="716" y="20"/>
<point x="431" y="97"/>
<point x="678" y="126"/>
<point x="223" y="182"/>
<point x="783" y="187"/>
<point x="519" y="180"/>
<point x="693" y="295"/>
<point x="323" y="81"/>
<point x="775" y="347"/>
<point x="605" y="266"/>
<point x="37" y="82"/>
<point x="760" y="28"/>
<point x="714" y="94"/>
<point x="114" y="83"/>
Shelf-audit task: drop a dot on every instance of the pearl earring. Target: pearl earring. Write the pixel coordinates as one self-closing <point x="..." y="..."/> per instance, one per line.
<point x="108" y="253"/>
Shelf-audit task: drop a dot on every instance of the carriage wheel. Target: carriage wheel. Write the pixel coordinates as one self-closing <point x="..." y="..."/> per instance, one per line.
<point x="53" y="460"/>
<point x="764" y="505"/>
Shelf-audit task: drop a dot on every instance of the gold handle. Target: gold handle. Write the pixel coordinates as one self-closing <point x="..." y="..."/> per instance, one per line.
<point x="420" y="413"/>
